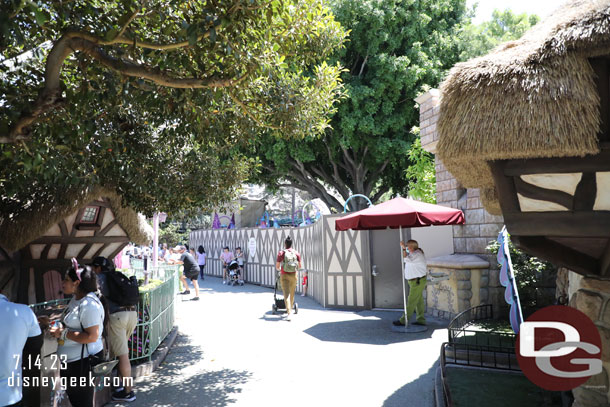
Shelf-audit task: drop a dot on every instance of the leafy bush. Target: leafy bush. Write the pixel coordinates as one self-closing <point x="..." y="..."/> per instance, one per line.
<point x="533" y="275"/>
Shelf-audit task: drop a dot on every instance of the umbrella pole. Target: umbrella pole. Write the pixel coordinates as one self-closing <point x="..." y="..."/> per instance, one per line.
<point x="402" y="278"/>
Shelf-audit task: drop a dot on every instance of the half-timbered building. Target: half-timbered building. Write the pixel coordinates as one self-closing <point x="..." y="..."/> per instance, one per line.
<point x="37" y="242"/>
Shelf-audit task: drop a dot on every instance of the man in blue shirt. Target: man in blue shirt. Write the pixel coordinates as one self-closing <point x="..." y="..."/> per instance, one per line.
<point x="18" y="324"/>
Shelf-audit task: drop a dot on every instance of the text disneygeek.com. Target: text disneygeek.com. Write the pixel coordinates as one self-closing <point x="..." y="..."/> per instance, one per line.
<point x="64" y="382"/>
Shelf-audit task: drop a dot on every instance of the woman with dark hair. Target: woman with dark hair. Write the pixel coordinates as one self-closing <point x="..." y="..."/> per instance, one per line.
<point x="80" y="335"/>
<point x="201" y="260"/>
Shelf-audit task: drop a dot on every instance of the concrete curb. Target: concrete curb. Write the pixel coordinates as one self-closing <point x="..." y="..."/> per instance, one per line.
<point x="158" y="357"/>
<point x="439" y="398"/>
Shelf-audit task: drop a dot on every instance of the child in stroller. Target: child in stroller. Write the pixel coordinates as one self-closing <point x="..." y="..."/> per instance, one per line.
<point x="234" y="273"/>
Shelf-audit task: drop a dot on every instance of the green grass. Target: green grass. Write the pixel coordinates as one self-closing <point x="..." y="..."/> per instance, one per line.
<point x="486" y="339"/>
<point x="488" y="333"/>
<point x="483" y="388"/>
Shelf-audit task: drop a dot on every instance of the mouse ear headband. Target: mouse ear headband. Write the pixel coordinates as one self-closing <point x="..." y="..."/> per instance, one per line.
<point x="77" y="270"/>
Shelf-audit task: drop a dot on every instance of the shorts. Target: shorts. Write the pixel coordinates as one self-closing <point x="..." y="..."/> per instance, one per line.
<point x="120" y="328"/>
<point x="191" y="274"/>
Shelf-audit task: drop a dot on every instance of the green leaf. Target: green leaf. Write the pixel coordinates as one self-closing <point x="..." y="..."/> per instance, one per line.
<point x="111" y="34"/>
<point x="41" y="17"/>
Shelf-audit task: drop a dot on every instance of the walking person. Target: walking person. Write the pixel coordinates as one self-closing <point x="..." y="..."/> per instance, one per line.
<point x="121" y="325"/>
<point x="191" y="271"/>
<point x="201" y="260"/>
<point x="288" y="263"/>
<point x="80" y="335"/>
<point x="415" y="273"/>
<point x="226" y="257"/>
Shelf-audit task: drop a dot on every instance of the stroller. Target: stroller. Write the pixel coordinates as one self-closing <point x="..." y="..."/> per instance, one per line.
<point x="234" y="273"/>
<point x="279" y="304"/>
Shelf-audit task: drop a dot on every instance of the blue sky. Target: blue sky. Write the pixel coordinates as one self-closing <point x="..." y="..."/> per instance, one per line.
<point x="539" y="7"/>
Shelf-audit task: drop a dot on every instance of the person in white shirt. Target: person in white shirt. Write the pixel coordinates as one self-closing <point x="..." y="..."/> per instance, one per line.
<point x="415" y="272"/>
<point x="80" y="335"/>
<point x="19" y="328"/>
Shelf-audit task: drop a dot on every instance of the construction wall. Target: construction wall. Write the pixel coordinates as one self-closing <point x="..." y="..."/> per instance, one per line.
<point x="337" y="262"/>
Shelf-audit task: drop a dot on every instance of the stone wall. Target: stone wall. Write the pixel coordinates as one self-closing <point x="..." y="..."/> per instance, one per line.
<point x="458" y="282"/>
<point x="481" y="227"/>
<point x="592" y="296"/>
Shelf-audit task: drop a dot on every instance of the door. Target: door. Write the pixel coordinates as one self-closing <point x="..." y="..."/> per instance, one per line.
<point x="386" y="269"/>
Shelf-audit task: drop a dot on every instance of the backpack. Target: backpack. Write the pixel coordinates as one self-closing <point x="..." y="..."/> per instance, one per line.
<point x="291" y="261"/>
<point x="123" y="291"/>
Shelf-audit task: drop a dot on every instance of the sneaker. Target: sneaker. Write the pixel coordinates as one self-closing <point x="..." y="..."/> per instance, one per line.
<point x="288" y="317"/>
<point x="398" y="323"/>
<point x="303" y="295"/>
<point x="123" y="396"/>
<point x="185" y="292"/>
<point x="195" y="299"/>
<point x="224" y="282"/>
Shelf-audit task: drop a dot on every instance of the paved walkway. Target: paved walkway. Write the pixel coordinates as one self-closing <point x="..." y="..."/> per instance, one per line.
<point x="231" y="351"/>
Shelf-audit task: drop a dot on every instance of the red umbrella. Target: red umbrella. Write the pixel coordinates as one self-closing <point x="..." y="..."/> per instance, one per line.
<point x="399" y="213"/>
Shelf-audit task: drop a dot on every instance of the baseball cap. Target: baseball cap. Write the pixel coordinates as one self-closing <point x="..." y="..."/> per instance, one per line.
<point x="101" y="262"/>
<point x="179" y="247"/>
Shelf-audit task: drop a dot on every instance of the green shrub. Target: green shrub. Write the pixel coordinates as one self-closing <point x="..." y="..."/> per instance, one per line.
<point x="534" y="276"/>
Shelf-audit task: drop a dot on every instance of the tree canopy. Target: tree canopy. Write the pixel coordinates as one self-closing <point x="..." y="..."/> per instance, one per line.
<point x="149" y="97"/>
<point x="395" y="47"/>
<point x="478" y="39"/>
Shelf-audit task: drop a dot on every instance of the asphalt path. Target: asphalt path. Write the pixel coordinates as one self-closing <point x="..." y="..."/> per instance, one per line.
<point x="232" y="351"/>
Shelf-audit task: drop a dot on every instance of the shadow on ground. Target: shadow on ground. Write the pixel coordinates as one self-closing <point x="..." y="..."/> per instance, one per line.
<point x="411" y="394"/>
<point x="366" y="331"/>
<point x="177" y="383"/>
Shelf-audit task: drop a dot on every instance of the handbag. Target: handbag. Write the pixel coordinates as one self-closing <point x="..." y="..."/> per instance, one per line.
<point x="99" y="364"/>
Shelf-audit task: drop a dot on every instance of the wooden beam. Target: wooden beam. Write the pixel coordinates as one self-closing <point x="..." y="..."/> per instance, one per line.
<point x="84" y="251"/>
<point x="81" y="239"/>
<point x="103" y="204"/>
<point x="84" y="226"/>
<point x="559" y="224"/>
<point x="99" y="251"/>
<point x="550" y="195"/>
<point x="49" y="264"/>
<point x="588" y="163"/>
<point x="100" y="220"/>
<point x="64" y="228"/>
<point x="604" y="262"/>
<point x="62" y="251"/>
<point x="117" y="251"/>
<point x="557" y="254"/>
<point x="107" y="228"/>
<point x="505" y="187"/>
<point x="39" y="285"/>
<point x="45" y="252"/>
<point x="586" y="192"/>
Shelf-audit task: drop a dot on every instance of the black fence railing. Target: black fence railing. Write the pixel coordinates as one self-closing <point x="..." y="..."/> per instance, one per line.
<point x="490" y="357"/>
<point x="469" y="328"/>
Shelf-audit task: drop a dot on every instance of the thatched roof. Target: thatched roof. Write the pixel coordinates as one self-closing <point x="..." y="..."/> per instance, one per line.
<point x="534" y="97"/>
<point x="16" y="231"/>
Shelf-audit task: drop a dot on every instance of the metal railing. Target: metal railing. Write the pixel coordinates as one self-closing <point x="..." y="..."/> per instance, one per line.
<point x="155" y="311"/>
<point x="461" y="330"/>
<point x="491" y="357"/>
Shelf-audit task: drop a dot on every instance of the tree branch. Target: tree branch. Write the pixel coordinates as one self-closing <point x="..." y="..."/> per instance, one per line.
<point x="363" y="64"/>
<point x="129" y="20"/>
<point x="50" y="96"/>
<point x="379" y="193"/>
<point x="134" y="42"/>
